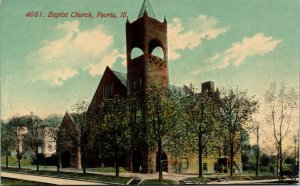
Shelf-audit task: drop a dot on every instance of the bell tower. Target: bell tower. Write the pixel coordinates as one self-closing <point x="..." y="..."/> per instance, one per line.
<point x="146" y="34"/>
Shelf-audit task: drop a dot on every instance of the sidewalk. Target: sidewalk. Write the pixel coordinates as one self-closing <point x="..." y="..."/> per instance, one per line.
<point x="248" y="182"/>
<point x="43" y="179"/>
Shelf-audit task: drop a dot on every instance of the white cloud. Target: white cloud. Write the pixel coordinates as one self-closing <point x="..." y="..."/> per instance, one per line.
<point x="108" y="60"/>
<point x="179" y="39"/>
<point x="259" y="44"/>
<point x="58" y="77"/>
<point x="73" y="51"/>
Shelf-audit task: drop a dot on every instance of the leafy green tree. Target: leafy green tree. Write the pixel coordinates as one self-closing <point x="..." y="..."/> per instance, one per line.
<point x="202" y="115"/>
<point x="281" y="102"/>
<point x="52" y="124"/>
<point x="265" y="159"/>
<point x="290" y="160"/>
<point x="16" y="126"/>
<point x="35" y="136"/>
<point x="115" y="129"/>
<point x="79" y="115"/>
<point x="162" y="116"/>
<point x="236" y="109"/>
<point x="7" y="140"/>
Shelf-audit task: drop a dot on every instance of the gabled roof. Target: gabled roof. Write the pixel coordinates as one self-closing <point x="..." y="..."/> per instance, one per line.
<point x="146" y="7"/>
<point x="68" y="121"/>
<point x="121" y="76"/>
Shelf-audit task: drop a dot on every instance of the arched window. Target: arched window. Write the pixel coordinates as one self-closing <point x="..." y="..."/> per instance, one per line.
<point x="136" y="52"/>
<point x="155" y="48"/>
<point x="158" y="51"/>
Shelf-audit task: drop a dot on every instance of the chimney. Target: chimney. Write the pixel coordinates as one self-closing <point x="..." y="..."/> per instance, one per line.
<point x="208" y="86"/>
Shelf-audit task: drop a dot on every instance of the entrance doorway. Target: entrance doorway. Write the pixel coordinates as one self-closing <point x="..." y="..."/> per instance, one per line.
<point x="136" y="161"/>
<point x="164" y="162"/>
<point x="65" y="159"/>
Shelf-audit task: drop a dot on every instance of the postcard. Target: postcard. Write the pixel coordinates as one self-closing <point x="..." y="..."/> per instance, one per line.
<point x="83" y="90"/>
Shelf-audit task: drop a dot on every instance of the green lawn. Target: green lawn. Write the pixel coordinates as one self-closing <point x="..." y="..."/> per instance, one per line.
<point x="202" y="180"/>
<point x="13" y="161"/>
<point x="9" y="181"/>
<point x="157" y="182"/>
<point x="106" y="169"/>
<point x="72" y="175"/>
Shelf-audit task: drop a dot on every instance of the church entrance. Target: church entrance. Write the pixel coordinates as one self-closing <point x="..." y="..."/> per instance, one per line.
<point x="164" y="162"/>
<point x="136" y="161"/>
<point x="65" y="159"/>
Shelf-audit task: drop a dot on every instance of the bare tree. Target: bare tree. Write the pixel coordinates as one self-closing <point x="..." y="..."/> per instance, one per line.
<point x="282" y="103"/>
<point x="236" y="113"/>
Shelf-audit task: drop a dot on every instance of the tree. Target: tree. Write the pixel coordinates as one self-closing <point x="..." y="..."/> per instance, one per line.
<point x="202" y="119"/>
<point x="281" y="103"/>
<point x="265" y="159"/>
<point x="52" y="123"/>
<point x="162" y="116"/>
<point x="236" y="109"/>
<point x="7" y="139"/>
<point x="115" y="127"/>
<point x="35" y="136"/>
<point x="80" y="109"/>
<point x="258" y="130"/>
<point x="16" y="126"/>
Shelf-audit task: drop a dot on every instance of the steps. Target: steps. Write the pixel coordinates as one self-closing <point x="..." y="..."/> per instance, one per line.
<point x="188" y="182"/>
<point x="134" y="181"/>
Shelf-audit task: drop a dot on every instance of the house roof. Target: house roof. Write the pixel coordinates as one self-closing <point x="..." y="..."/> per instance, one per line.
<point x="122" y="77"/>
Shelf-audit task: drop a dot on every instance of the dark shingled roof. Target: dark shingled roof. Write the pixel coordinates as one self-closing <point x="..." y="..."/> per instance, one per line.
<point x="122" y="77"/>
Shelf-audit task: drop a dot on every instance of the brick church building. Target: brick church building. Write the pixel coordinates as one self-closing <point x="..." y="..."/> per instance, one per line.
<point x="146" y="34"/>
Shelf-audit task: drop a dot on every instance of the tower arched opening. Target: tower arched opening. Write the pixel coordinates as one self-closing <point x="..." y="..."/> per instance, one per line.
<point x="136" y="52"/>
<point x="156" y="49"/>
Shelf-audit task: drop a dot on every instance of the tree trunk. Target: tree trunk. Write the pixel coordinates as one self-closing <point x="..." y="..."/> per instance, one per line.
<point x="160" y="175"/>
<point x="37" y="159"/>
<point x="117" y="161"/>
<point x="6" y="158"/>
<point x="257" y="151"/>
<point x="277" y="164"/>
<point x="280" y="159"/>
<point x="82" y="149"/>
<point x="257" y="166"/>
<point x="58" y="160"/>
<point x="231" y="159"/>
<point x="200" y="173"/>
<point x="18" y="157"/>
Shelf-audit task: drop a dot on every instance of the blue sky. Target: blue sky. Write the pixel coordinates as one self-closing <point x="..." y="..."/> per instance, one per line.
<point x="48" y="64"/>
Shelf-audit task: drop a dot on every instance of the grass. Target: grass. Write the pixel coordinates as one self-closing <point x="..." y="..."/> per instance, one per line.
<point x="72" y="175"/>
<point x="13" y="160"/>
<point x="9" y="181"/>
<point x="157" y="182"/>
<point x="198" y="180"/>
<point x="106" y="169"/>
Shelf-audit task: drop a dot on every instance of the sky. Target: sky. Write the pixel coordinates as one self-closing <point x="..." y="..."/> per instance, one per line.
<point x="48" y="63"/>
